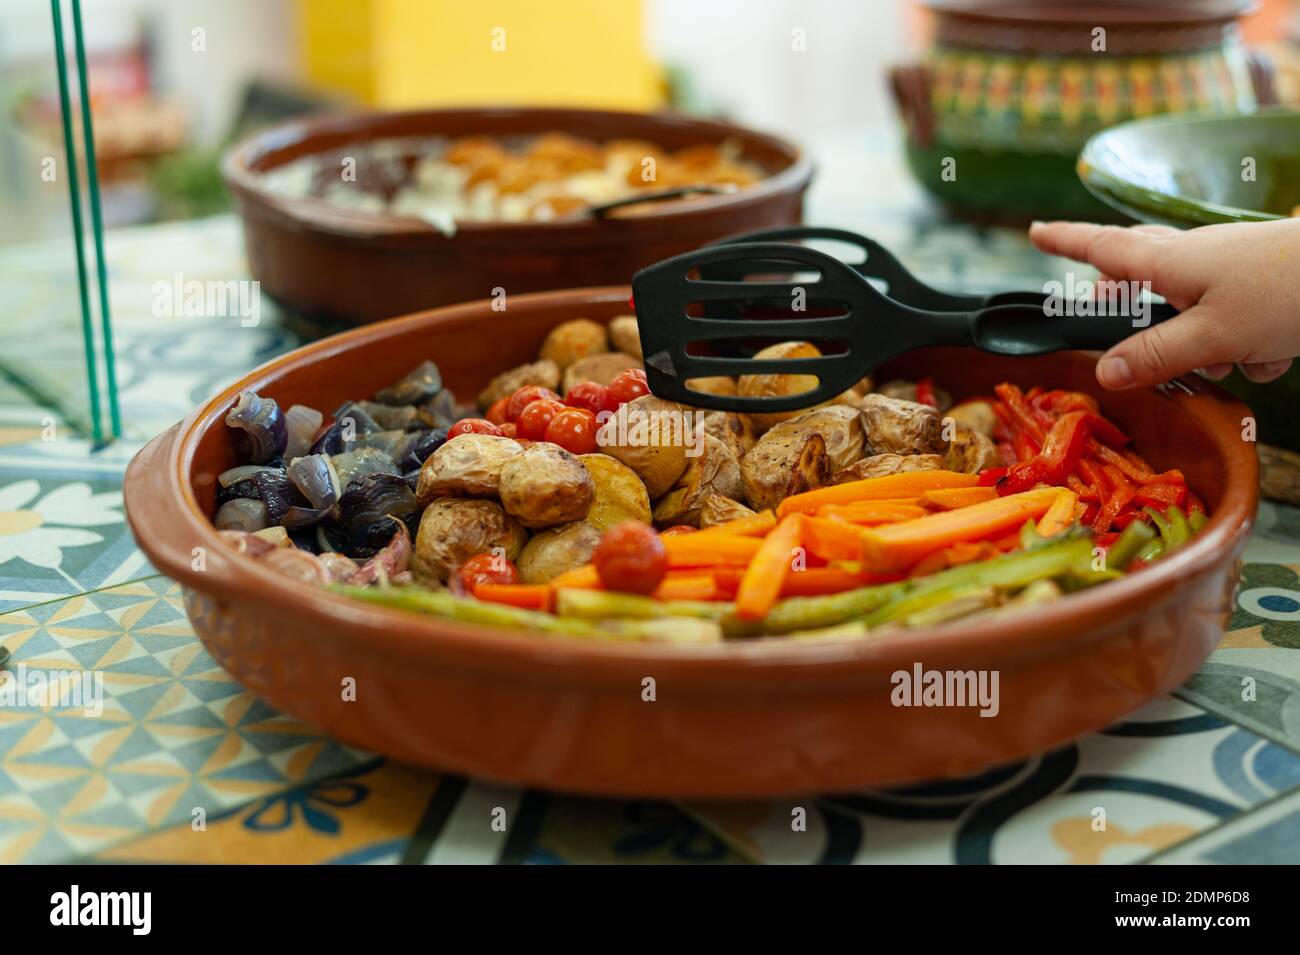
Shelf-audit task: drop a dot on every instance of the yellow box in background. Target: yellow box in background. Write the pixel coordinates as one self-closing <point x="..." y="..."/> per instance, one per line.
<point x="408" y="53"/>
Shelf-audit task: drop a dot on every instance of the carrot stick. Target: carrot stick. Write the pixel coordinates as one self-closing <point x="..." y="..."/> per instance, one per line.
<point x="580" y="578"/>
<point x="761" y="585"/>
<point x="530" y="596"/>
<point x="709" y="550"/>
<point x="878" y="512"/>
<point x="832" y="539"/>
<point x="688" y="586"/>
<point x="753" y="525"/>
<point x="815" y="581"/>
<point x="951" y="498"/>
<point x="896" y="546"/>
<point x="1060" y="515"/>
<point x="908" y="484"/>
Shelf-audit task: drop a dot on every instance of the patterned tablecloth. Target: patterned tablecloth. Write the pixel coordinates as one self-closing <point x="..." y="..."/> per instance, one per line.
<point x="183" y="764"/>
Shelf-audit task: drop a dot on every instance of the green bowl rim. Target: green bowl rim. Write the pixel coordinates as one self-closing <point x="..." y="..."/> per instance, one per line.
<point x="1127" y="197"/>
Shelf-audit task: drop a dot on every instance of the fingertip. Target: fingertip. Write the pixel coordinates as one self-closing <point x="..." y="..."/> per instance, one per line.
<point x="1114" y="372"/>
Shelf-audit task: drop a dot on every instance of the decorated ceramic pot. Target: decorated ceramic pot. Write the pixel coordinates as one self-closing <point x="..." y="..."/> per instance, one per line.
<point x="1010" y="91"/>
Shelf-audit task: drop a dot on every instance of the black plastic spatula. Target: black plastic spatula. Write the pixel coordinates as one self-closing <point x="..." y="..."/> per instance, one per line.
<point x="706" y="313"/>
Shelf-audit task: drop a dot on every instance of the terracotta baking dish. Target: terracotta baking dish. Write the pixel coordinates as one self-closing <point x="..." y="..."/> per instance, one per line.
<point x="359" y="267"/>
<point x="734" y="720"/>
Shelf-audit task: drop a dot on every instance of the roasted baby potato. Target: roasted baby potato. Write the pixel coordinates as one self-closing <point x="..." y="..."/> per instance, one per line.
<point x="716" y="509"/>
<point x="454" y="529"/>
<point x="649" y="436"/>
<point x="713" y="472"/>
<point x="766" y="386"/>
<point x="545" y="373"/>
<point x="624" y="335"/>
<point x="469" y="465"/>
<point x="598" y="368"/>
<point x="878" y="465"/>
<point x="784" y="463"/>
<point x="716" y="385"/>
<point x="734" y="430"/>
<point x="570" y="341"/>
<point x="620" y="494"/>
<point x="895" y="426"/>
<point x="971" y="452"/>
<point x="545" y="485"/>
<point x="976" y="415"/>
<point x="553" y="551"/>
<point x="906" y="390"/>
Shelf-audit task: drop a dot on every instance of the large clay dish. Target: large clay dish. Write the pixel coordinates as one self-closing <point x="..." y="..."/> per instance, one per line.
<point x="359" y="267"/>
<point x="733" y="720"/>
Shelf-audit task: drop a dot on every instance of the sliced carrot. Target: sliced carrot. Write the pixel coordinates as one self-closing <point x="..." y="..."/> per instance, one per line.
<point x="688" y="586"/>
<point x="832" y="539"/>
<point x="761" y="585"/>
<point x="709" y="550"/>
<point x="931" y="563"/>
<point x="752" y="525"/>
<point x="908" y="484"/>
<point x="530" y="596"/>
<point x="897" y="546"/>
<point x="1060" y="515"/>
<point x="877" y="512"/>
<point x="951" y="498"/>
<point x="580" y="578"/>
<point x="815" y="581"/>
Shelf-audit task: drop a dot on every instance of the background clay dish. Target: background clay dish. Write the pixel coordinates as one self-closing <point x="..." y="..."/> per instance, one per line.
<point x="728" y="721"/>
<point x="358" y="267"/>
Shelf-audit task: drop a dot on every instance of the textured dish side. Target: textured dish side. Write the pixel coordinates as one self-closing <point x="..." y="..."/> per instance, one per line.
<point x="760" y="718"/>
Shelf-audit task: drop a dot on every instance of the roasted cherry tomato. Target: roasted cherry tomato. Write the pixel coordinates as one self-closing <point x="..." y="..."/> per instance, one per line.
<point x="525" y="396"/>
<point x="497" y="413"/>
<point x="535" y="418"/>
<point x="627" y="386"/>
<point x="630" y="558"/>
<point x="472" y="426"/>
<point x="487" y="568"/>
<point x="589" y="395"/>
<point x="573" y="429"/>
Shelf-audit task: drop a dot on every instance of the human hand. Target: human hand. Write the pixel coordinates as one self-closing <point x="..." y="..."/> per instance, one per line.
<point x="1237" y="287"/>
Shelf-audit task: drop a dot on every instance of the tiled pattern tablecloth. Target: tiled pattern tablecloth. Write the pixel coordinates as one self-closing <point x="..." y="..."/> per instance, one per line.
<point x="185" y="765"/>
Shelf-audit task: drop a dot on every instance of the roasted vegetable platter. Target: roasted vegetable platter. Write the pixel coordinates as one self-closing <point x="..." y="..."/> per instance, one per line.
<point x="567" y="499"/>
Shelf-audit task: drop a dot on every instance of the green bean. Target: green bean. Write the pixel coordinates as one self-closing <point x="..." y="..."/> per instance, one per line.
<point x="1029" y="536"/>
<point x="1152" y="550"/>
<point x="603" y="604"/>
<point x="1161" y="522"/>
<point x="1180" y="531"/>
<point x="1197" y="519"/>
<point x="1133" y="538"/>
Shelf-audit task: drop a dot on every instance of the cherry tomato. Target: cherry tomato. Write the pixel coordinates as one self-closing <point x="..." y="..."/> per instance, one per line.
<point x="630" y="558"/>
<point x="574" y="430"/>
<point x="487" y="568"/>
<point x="472" y="426"/>
<point x="536" y="417"/>
<point x="507" y="429"/>
<point x="497" y="413"/>
<point x="627" y="386"/>
<point x="589" y="395"/>
<point x="525" y="396"/>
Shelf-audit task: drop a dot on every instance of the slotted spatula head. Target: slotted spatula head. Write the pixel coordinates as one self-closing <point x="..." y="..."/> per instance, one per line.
<point x="706" y="313"/>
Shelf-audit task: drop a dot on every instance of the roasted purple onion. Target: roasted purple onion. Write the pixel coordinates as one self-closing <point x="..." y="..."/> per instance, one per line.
<point x="367" y="510"/>
<point x="242" y="514"/>
<point x="353" y="465"/>
<point x="302" y="423"/>
<point x="419" y="384"/>
<point x="315" y="477"/>
<point x="263" y="424"/>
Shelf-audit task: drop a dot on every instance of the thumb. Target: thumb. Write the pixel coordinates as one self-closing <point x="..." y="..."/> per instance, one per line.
<point x="1161" y="352"/>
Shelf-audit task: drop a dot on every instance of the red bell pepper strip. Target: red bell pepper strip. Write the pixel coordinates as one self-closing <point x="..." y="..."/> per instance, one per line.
<point x="1084" y="492"/>
<point x="1120" y="497"/>
<point x="925" y="392"/>
<point x="1024" y="447"/>
<point x="1061" y="452"/>
<point x="1161" y="496"/>
<point x="1019" y="412"/>
<point x="989" y="477"/>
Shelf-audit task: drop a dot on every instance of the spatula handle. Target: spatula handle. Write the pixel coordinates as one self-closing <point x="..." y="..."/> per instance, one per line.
<point x="1035" y="330"/>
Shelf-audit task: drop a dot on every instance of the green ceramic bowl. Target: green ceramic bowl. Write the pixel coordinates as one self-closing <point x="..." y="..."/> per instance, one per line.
<point x="1185" y="170"/>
